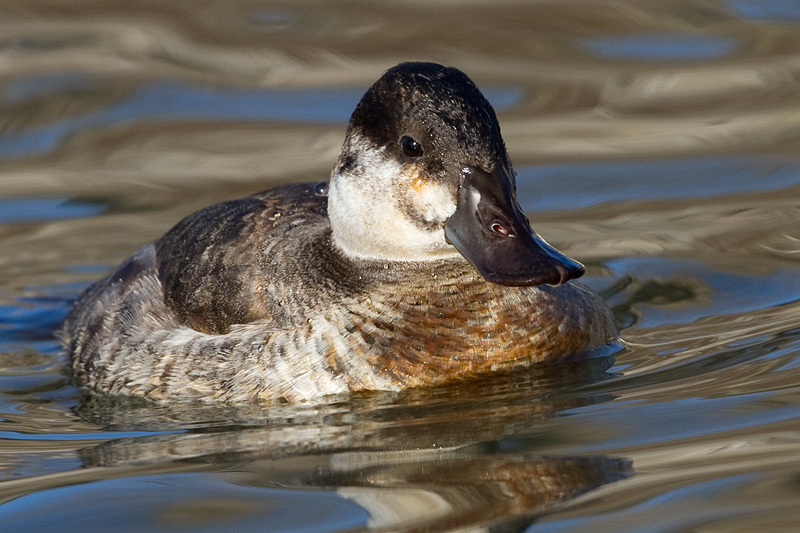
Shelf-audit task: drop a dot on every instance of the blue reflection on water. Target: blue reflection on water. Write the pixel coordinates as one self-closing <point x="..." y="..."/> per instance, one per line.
<point x="729" y="293"/>
<point x="183" y="502"/>
<point x="771" y="11"/>
<point x="178" y="101"/>
<point x="670" y="505"/>
<point x="14" y="435"/>
<point x="660" y="47"/>
<point x="174" y="100"/>
<point x="677" y="420"/>
<point x="38" y="85"/>
<point x="571" y="186"/>
<point x="17" y="210"/>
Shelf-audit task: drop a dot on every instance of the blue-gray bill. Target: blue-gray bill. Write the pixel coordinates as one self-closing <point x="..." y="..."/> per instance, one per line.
<point x="490" y="230"/>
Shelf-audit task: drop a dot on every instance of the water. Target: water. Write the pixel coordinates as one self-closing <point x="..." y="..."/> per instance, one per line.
<point x="658" y="142"/>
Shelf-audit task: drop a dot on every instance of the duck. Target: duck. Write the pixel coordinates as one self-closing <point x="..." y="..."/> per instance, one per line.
<point x="413" y="266"/>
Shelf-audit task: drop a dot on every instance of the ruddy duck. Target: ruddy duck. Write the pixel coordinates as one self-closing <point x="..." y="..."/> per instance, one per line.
<point x="414" y="266"/>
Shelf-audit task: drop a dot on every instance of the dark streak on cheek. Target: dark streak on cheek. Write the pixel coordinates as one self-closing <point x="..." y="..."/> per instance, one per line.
<point x="435" y="167"/>
<point x="347" y="164"/>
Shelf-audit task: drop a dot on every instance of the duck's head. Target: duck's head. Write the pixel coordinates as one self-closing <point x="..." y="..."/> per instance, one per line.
<point x="424" y="175"/>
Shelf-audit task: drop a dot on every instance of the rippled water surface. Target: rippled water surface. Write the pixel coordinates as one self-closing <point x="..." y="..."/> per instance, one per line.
<point x="656" y="141"/>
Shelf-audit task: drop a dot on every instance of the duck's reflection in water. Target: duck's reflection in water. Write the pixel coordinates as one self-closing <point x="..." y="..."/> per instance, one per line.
<point x="423" y="459"/>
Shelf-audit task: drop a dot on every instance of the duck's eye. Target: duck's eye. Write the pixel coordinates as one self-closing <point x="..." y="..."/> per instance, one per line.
<point x="411" y="147"/>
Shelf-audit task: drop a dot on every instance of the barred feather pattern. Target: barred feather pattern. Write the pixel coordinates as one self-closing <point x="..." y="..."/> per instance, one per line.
<point x="355" y="327"/>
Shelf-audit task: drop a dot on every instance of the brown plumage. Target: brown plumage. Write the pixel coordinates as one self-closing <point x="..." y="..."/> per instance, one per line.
<point x="294" y="293"/>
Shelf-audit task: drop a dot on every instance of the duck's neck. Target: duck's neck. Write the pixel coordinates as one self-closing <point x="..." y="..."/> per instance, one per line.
<point x="406" y="324"/>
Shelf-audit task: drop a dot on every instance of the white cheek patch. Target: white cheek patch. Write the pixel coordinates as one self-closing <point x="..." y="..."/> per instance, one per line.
<point x="434" y="200"/>
<point x="369" y="219"/>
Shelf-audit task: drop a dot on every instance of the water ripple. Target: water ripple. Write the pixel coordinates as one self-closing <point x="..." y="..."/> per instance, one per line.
<point x="661" y="47"/>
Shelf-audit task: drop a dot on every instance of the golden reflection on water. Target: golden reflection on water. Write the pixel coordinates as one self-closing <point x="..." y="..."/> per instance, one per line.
<point x="418" y="460"/>
<point x="657" y="141"/>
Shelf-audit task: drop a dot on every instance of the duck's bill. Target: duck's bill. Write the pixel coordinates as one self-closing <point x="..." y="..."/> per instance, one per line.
<point x="490" y="230"/>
